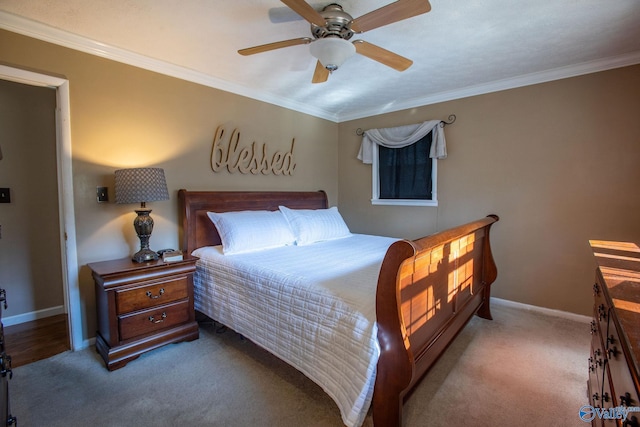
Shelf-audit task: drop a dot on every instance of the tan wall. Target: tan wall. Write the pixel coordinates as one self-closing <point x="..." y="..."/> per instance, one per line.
<point x="122" y="116"/>
<point x="30" y="260"/>
<point x="558" y="162"/>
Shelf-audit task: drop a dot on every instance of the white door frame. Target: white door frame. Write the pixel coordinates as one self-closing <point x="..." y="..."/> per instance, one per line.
<point x="70" y="279"/>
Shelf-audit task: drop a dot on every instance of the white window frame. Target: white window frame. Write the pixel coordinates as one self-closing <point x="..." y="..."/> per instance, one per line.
<point x="375" y="186"/>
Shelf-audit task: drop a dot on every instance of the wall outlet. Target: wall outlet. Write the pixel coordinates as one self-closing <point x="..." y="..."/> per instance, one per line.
<point x="102" y="194"/>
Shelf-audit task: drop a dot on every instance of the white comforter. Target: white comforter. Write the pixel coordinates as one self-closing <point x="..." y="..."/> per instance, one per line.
<point x="312" y="306"/>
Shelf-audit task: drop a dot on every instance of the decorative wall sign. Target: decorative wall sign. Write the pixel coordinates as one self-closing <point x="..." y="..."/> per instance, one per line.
<point x="250" y="158"/>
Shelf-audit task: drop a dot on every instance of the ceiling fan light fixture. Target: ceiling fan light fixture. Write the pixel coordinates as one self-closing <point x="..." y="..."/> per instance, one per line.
<point x="332" y="51"/>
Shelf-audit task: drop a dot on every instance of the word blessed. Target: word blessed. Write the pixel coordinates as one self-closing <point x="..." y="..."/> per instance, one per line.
<point x="588" y="412"/>
<point x="248" y="159"/>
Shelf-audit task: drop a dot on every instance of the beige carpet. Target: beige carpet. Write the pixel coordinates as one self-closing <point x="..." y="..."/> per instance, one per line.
<point x="522" y="368"/>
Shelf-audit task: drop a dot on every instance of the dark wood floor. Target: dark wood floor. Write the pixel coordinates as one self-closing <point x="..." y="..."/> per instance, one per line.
<point x="36" y="340"/>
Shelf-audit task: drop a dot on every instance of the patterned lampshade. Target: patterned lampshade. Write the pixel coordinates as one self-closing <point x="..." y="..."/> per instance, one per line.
<point x="140" y="185"/>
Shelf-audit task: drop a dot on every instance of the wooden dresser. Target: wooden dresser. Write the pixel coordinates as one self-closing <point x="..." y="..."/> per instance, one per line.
<point x="613" y="384"/>
<point x="142" y="306"/>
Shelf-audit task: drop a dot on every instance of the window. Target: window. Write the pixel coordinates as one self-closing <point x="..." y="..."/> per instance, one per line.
<point x="403" y="159"/>
<point x="404" y="176"/>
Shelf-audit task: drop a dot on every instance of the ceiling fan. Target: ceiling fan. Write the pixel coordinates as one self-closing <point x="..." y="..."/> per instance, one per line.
<point x="332" y="28"/>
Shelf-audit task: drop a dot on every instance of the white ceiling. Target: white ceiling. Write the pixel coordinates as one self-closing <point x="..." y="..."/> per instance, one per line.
<point x="460" y="48"/>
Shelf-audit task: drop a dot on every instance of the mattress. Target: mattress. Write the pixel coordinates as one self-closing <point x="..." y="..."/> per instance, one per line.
<point x="312" y="306"/>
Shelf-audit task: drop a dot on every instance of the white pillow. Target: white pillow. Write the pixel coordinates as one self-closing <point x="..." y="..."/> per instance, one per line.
<point x="247" y="231"/>
<point x="315" y="225"/>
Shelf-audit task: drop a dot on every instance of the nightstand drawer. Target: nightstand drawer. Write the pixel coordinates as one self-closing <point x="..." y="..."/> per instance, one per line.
<point x="152" y="320"/>
<point x="151" y="295"/>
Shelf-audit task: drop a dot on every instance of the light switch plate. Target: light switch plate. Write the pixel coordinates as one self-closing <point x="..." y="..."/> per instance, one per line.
<point x="5" y="195"/>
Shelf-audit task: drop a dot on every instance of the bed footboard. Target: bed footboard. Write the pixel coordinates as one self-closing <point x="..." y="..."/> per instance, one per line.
<point x="428" y="289"/>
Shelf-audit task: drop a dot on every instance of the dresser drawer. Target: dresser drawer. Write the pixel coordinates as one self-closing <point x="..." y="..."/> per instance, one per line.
<point x="596" y="369"/>
<point x="623" y="389"/>
<point x="152" y="320"/>
<point x="606" y="404"/>
<point x="151" y="295"/>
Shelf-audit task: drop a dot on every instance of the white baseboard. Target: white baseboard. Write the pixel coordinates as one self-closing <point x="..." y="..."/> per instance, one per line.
<point x="542" y="310"/>
<point x="32" y="315"/>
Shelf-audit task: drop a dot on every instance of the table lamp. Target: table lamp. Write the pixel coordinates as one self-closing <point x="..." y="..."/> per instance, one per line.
<point x="141" y="185"/>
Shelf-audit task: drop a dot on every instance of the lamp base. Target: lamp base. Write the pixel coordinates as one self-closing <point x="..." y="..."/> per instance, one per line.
<point x="144" y="255"/>
<point x="144" y="226"/>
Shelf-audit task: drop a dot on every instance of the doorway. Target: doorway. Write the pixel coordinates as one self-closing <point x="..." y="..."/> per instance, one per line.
<point x="67" y="238"/>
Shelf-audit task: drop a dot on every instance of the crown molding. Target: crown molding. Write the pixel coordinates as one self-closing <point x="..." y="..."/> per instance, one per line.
<point x="49" y="34"/>
<point x="37" y="30"/>
<point x="625" y="60"/>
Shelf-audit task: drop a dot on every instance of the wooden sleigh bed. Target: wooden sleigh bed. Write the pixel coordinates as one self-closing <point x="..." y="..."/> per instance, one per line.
<point x="427" y="289"/>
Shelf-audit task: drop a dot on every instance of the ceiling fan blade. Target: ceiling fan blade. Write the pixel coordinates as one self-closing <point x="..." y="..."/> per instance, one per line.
<point x="321" y="74"/>
<point x="381" y="55"/>
<point x="393" y="12"/>
<point x="273" y="46"/>
<point x="305" y="10"/>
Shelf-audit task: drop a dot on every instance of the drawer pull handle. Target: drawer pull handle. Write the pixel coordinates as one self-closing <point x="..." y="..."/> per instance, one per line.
<point x="5" y="366"/>
<point x="150" y="295"/>
<point x="602" y="312"/>
<point x="626" y="399"/>
<point x="153" y="319"/>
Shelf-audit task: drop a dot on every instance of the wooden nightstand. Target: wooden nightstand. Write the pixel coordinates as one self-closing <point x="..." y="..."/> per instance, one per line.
<point x="142" y="306"/>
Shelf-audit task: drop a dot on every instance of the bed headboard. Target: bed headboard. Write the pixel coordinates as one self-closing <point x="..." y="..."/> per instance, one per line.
<point x="198" y="230"/>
